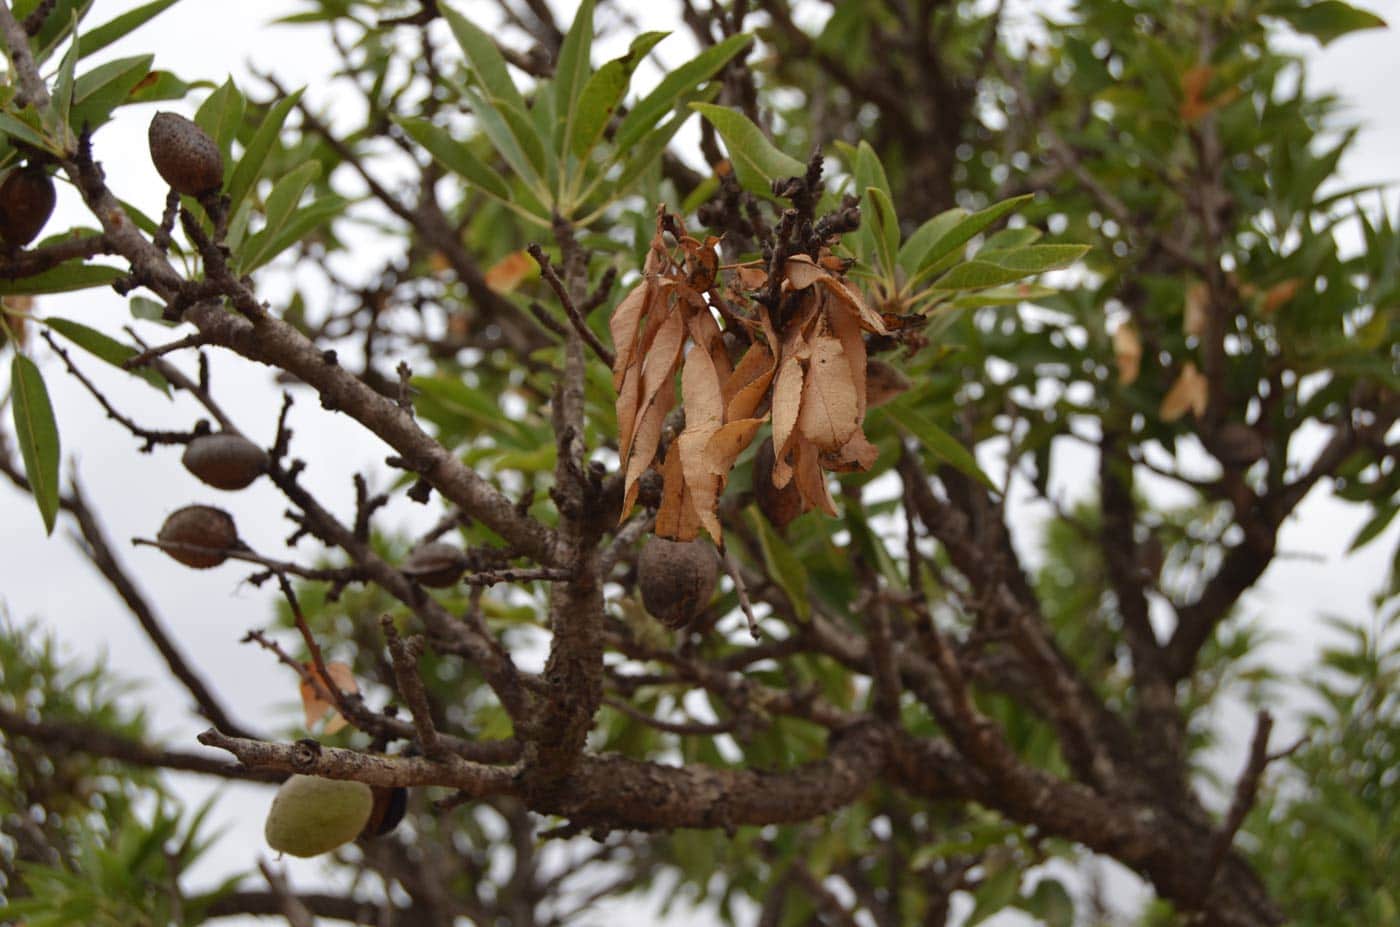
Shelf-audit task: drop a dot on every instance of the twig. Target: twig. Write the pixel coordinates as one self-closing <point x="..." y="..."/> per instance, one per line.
<point x="551" y="277"/>
<point x="1246" y="791"/>
<point x="404" y="655"/>
<point x="291" y="907"/>
<point x="731" y="567"/>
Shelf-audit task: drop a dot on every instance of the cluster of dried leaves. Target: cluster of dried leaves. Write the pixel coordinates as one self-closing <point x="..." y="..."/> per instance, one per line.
<point x="801" y="359"/>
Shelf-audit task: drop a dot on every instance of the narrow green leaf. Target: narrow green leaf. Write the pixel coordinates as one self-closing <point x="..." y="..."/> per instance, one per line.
<point x="281" y="204"/>
<point x="106" y="87"/>
<point x="250" y="164"/>
<point x="73" y="275"/>
<point x="995" y="268"/>
<point x="107" y="33"/>
<point x="912" y="252"/>
<point x="756" y="161"/>
<point x="1374" y="527"/>
<point x="454" y="155"/>
<point x="158" y="86"/>
<point x="935" y="440"/>
<point x="1328" y="20"/>
<point x="484" y="59"/>
<point x="302" y="222"/>
<point x="502" y="136"/>
<point x="997" y="891"/>
<point x="947" y="245"/>
<point x="782" y="564"/>
<point x="886" y="228"/>
<point x="37" y="434"/>
<point x="220" y="115"/>
<point x="1033" y="259"/>
<point x="62" y="97"/>
<point x="652" y="108"/>
<point x="106" y="348"/>
<point x="15" y="128"/>
<point x="602" y="94"/>
<point x="571" y="73"/>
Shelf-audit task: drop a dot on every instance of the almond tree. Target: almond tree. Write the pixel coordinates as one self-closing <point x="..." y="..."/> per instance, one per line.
<point x="809" y="355"/>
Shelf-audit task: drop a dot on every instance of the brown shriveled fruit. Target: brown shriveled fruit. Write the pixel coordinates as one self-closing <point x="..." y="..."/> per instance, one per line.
<point x="437" y="565"/>
<point x="677" y="579"/>
<point x="184" y="155"/>
<point x="225" y="461"/>
<point x="26" y="202"/>
<point x="199" y="526"/>
<point x="779" y="506"/>
<point x="390" y="804"/>
<point x="1238" y="445"/>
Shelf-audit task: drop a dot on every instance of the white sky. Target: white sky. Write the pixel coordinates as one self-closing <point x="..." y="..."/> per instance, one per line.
<point x="209" y="611"/>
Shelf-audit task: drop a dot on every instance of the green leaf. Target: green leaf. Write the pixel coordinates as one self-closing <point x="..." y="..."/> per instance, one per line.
<point x="73" y="275"/>
<point x="755" y="160"/>
<point x="995" y="268"/>
<point x="158" y="86"/>
<point x="249" y="167"/>
<point x="220" y="115"/>
<point x="1328" y="20"/>
<point x="37" y="434"/>
<point x="62" y="97"/>
<point x="282" y="202"/>
<point x="303" y="221"/>
<point x="1033" y="259"/>
<point x="886" y="228"/>
<point x="106" y="87"/>
<point x="18" y="129"/>
<point x="490" y="114"/>
<point x="456" y="156"/>
<point x="484" y="59"/>
<point x="959" y="233"/>
<point x="782" y="565"/>
<point x="571" y="73"/>
<point x="935" y="440"/>
<point x="996" y="892"/>
<point x="107" y="33"/>
<point x="602" y="94"/>
<point x="1051" y="904"/>
<point x="652" y="108"/>
<point x="106" y="348"/>
<point x="1374" y="527"/>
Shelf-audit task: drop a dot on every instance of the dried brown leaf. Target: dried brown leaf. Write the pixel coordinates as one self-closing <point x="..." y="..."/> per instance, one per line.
<point x="1193" y="313"/>
<point x="1188" y="394"/>
<point x="1127" y="351"/>
<point x="787" y="403"/>
<point x="830" y="411"/>
<point x="316" y="700"/>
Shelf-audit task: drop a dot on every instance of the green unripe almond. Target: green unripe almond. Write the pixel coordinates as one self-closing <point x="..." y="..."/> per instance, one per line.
<point x="310" y="815"/>
<point x="184" y="155"/>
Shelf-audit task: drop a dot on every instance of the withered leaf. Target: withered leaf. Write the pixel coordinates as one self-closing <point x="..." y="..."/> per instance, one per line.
<point x="830" y="411"/>
<point x="1188" y="394"/>
<point x="315" y="706"/>
<point x="1127" y="351"/>
<point x="787" y="402"/>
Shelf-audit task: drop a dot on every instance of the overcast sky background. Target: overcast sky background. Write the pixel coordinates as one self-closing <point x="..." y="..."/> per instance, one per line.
<point x="209" y="611"/>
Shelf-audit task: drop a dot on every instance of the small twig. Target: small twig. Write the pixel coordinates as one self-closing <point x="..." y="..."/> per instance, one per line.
<point x="551" y="277"/>
<point x="37" y="260"/>
<point x="731" y="567"/>
<point x="682" y="728"/>
<point x="405" y="397"/>
<point x="150" y="354"/>
<point x="404" y="655"/>
<point x="151" y="437"/>
<point x="519" y="575"/>
<point x="1246" y="791"/>
<point x="292" y="909"/>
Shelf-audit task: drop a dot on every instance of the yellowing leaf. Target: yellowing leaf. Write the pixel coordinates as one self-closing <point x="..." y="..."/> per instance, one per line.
<point x="1189" y="393"/>
<point x="507" y="273"/>
<point x="1193" y="315"/>
<point x="1280" y="294"/>
<point x="316" y="699"/>
<point x="1127" y="350"/>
